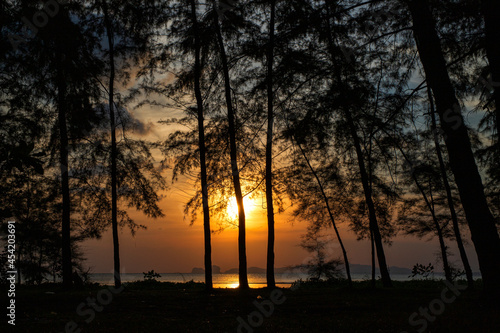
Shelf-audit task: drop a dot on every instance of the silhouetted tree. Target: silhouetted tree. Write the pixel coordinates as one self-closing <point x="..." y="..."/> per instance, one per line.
<point x="62" y="51"/>
<point x="462" y="163"/>
<point x="111" y="105"/>
<point x="243" y="278"/>
<point x="201" y="145"/>
<point x="330" y="213"/>
<point x="269" y="149"/>
<point x="346" y="108"/>
<point x="121" y="24"/>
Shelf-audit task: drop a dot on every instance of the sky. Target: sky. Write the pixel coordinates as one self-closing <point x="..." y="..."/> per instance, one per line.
<point x="171" y="245"/>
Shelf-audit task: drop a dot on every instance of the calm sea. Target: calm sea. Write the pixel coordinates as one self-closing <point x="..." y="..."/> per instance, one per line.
<point x="224" y="280"/>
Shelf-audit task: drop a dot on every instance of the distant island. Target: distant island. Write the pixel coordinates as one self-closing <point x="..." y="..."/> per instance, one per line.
<point x="198" y="270"/>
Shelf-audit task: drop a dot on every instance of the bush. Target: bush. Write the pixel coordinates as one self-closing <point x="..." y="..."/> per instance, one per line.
<point x="151" y="276"/>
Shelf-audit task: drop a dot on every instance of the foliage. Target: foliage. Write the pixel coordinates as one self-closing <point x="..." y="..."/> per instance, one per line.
<point x="422" y="270"/>
<point x="151" y="276"/>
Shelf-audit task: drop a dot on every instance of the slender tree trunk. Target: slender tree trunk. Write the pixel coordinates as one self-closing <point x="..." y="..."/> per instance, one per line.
<point x="269" y="153"/>
<point x="437" y="226"/>
<point x="67" y="269"/>
<point x="481" y="221"/>
<point x="491" y="14"/>
<point x="114" y="151"/>
<point x="442" y="245"/>
<point x="243" y="278"/>
<point x="201" y="146"/>
<point x="330" y="214"/>
<point x="372" y="241"/>
<point x="451" y="205"/>
<point x="377" y="237"/>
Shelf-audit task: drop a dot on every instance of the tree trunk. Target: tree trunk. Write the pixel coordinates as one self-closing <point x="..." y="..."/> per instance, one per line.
<point x="243" y="278"/>
<point x="481" y="222"/>
<point x="269" y="153"/>
<point x="491" y="14"/>
<point x="442" y="245"/>
<point x="430" y="206"/>
<point x="451" y="205"/>
<point x="377" y="237"/>
<point x="330" y="214"/>
<point x="67" y="269"/>
<point x="201" y="146"/>
<point x="114" y="152"/>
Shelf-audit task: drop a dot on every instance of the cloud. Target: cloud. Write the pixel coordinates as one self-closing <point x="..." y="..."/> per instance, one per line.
<point x="124" y="119"/>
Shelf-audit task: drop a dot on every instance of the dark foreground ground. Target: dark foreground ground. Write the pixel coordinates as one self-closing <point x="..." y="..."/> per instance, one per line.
<point x="166" y="307"/>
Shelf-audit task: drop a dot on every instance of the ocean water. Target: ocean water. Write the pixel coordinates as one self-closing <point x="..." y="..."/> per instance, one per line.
<point x="227" y="280"/>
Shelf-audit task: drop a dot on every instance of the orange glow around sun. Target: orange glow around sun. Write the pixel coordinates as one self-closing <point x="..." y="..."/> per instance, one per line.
<point x="248" y="203"/>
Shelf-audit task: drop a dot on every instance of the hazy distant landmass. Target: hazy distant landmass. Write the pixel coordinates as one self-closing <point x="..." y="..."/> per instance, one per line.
<point x="251" y="270"/>
<point x="198" y="270"/>
<point x="355" y="269"/>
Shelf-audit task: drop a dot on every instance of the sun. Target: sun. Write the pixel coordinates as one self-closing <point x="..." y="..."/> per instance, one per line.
<point x="248" y="203"/>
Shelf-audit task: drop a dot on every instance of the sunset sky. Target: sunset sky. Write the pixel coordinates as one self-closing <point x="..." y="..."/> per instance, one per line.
<point x="171" y="245"/>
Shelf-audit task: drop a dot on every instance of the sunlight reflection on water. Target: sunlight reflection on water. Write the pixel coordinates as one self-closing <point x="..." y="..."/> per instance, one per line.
<point x="230" y="286"/>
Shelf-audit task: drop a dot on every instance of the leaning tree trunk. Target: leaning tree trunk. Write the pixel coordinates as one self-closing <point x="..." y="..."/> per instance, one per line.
<point x="330" y="214"/>
<point x="62" y="106"/>
<point x="481" y="221"/>
<point x="491" y="14"/>
<point x="449" y="197"/>
<point x="243" y="278"/>
<point x="114" y="152"/>
<point x="377" y="237"/>
<point x="202" y="148"/>
<point x="269" y="153"/>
